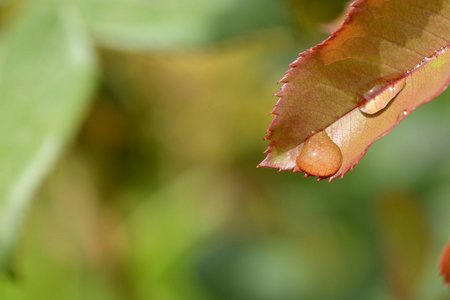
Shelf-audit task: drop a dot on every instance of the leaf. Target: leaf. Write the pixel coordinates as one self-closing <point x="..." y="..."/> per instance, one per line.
<point x="46" y="78"/>
<point x="388" y="58"/>
<point x="166" y="24"/>
<point x="445" y="264"/>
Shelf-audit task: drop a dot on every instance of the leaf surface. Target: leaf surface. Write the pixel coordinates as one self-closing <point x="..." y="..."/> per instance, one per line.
<point x="388" y="58"/>
<point x="46" y="76"/>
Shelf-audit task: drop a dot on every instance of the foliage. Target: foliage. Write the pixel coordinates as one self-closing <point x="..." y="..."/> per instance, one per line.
<point x="132" y="124"/>
<point x="445" y="264"/>
<point x="359" y="83"/>
<point x="48" y="49"/>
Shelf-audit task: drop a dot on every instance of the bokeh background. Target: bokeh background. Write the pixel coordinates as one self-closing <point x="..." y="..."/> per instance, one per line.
<point x="158" y="195"/>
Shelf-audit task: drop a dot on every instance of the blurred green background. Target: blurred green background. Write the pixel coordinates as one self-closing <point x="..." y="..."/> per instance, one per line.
<point x="139" y="125"/>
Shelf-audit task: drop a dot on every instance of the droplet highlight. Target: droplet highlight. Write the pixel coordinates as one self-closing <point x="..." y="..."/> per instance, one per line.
<point x="379" y="96"/>
<point x="320" y="156"/>
<point x="402" y="115"/>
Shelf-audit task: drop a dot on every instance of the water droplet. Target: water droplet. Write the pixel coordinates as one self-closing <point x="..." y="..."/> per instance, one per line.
<point x="379" y="96"/>
<point x="320" y="156"/>
<point x="402" y="115"/>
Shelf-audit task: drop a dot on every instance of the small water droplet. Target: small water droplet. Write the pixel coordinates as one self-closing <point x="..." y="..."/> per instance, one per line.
<point x="380" y="94"/>
<point x="402" y="115"/>
<point x="320" y="156"/>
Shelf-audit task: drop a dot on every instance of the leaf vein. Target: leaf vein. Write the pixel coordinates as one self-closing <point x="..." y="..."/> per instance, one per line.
<point x="426" y="8"/>
<point x="367" y="59"/>
<point x="414" y="25"/>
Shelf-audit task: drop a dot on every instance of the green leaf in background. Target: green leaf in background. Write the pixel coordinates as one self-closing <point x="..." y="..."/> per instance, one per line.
<point x="160" y="24"/>
<point x="46" y="77"/>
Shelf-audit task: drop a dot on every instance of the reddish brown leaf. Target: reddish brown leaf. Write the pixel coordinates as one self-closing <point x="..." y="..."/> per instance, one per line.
<point x="445" y="264"/>
<point x="388" y="58"/>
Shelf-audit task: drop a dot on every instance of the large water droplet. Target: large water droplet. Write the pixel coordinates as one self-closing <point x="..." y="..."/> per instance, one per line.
<point x="380" y="94"/>
<point x="320" y="156"/>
